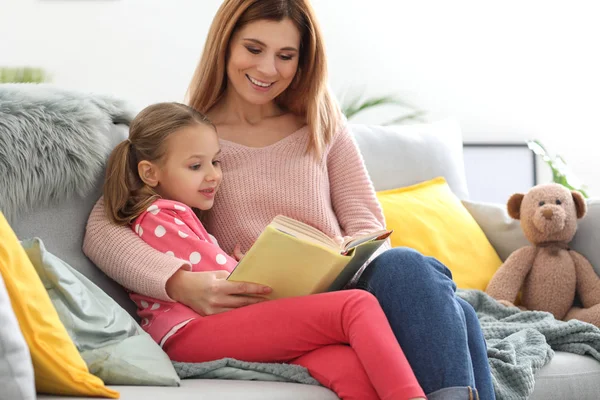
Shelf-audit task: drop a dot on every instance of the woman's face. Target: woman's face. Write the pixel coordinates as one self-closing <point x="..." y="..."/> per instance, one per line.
<point x="263" y="60"/>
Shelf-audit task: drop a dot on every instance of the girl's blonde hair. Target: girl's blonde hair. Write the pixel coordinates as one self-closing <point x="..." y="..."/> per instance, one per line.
<point x="126" y="196"/>
<point x="308" y="95"/>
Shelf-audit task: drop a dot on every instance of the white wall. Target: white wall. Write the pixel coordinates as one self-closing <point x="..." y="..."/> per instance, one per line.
<point x="508" y="70"/>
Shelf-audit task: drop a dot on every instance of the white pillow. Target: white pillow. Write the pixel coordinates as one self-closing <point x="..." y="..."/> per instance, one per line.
<point x="16" y="369"/>
<point x="403" y="155"/>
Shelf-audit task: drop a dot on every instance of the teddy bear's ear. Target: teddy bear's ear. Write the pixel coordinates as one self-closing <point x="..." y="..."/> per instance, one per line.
<point x="580" y="204"/>
<point x="514" y="205"/>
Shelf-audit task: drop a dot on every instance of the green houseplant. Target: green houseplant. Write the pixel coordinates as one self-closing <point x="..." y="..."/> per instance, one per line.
<point x="355" y="104"/>
<point x="22" y="75"/>
<point x="561" y="174"/>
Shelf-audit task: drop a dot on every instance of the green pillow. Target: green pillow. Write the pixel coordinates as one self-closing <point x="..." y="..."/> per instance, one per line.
<point x="110" y="341"/>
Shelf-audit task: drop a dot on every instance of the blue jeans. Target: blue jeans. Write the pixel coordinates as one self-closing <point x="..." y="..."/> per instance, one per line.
<point x="438" y="331"/>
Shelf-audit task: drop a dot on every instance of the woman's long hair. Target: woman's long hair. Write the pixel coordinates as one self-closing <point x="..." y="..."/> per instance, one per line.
<point x="308" y="95"/>
<point x="126" y="196"/>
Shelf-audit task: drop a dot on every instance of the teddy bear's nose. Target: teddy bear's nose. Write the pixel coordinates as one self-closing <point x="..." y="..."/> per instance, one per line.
<point x="547" y="213"/>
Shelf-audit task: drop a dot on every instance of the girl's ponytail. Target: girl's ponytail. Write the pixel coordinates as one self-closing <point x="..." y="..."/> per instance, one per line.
<point x="122" y="184"/>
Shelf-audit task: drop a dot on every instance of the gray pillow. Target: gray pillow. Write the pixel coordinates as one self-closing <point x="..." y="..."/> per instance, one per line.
<point x="503" y="232"/>
<point x="16" y="369"/>
<point x="112" y="344"/>
<point x="403" y="155"/>
<point x="506" y="235"/>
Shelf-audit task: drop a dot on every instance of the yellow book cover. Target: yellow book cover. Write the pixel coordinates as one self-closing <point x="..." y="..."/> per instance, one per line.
<point x="296" y="259"/>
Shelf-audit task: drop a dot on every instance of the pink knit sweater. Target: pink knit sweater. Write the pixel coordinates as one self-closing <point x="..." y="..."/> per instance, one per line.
<point x="332" y="193"/>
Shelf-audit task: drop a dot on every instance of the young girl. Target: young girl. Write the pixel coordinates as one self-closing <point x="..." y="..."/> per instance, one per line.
<point x="156" y="182"/>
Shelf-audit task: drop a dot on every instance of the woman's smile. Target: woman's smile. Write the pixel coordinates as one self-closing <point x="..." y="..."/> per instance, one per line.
<point x="259" y="85"/>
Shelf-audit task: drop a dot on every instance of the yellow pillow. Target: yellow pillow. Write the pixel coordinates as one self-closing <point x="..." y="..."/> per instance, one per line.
<point x="429" y="218"/>
<point x="59" y="369"/>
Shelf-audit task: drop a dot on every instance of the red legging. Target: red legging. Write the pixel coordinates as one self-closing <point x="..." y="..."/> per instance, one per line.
<point x="343" y="339"/>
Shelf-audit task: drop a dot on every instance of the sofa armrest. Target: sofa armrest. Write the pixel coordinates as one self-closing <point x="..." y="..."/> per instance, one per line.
<point x="587" y="238"/>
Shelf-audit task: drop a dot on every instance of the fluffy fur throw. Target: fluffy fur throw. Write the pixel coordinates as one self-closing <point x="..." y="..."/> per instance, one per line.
<point x="53" y="143"/>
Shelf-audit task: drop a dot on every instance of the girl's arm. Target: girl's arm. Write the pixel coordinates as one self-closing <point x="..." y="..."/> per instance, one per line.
<point x="352" y="194"/>
<point x="126" y="258"/>
<point x="137" y="266"/>
<point x="172" y="228"/>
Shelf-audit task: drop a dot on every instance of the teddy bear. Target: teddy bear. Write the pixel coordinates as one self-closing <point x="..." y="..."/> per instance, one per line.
<point x="548" y="273"/>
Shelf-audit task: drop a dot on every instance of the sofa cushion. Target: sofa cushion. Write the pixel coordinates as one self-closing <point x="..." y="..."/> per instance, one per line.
<point x="69" y="134"/>
<point x="16" y="371"/>
<point x="62" y="226"/>
<point x="429" y="218"/>
<point x="196" y="389"/>
<point x="403" y="155"/>
<point x="568" y="377"/>
<point x="58" y="367"/>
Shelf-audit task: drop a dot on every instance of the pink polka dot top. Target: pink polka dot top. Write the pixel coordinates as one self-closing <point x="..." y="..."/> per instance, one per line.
<point x="173" y="228"/>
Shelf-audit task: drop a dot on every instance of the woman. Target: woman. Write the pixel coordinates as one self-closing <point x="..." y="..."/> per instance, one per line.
<point x="262" y="81"/>
<point x="169" y="167"/>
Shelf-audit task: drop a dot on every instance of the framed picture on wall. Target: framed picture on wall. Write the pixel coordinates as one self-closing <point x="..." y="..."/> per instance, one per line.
<point x="495" y="171"/>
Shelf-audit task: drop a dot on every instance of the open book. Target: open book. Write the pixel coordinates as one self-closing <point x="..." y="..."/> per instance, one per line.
<point x="296" y="259"/>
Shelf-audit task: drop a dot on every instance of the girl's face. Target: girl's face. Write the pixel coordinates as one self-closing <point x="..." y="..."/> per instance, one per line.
<point x="263" y="60"/>
<point x="190" y="171"/>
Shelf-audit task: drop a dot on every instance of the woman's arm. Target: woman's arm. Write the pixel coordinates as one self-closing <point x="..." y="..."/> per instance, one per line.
<point x="352" y="194"/>
<point x="126" y="258"/>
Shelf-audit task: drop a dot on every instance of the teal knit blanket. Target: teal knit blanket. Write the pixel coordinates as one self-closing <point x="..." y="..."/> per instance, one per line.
<point x="521" y="342"/>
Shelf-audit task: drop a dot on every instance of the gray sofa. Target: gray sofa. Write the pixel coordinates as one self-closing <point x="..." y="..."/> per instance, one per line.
<point x="395" y="157"/>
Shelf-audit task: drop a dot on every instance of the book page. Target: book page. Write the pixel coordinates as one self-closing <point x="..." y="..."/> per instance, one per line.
<point x="303" y="231"/>
<point x="360" y="255"/>
<point x="355" y="241"/>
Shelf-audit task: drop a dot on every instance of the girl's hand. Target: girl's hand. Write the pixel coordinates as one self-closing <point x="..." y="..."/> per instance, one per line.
<point x="210" y="292"/>
<point x="237" y="253"/>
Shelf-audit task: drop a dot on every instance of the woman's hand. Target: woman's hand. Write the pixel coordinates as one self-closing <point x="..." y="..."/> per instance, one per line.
<point x="210" y="292"/>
